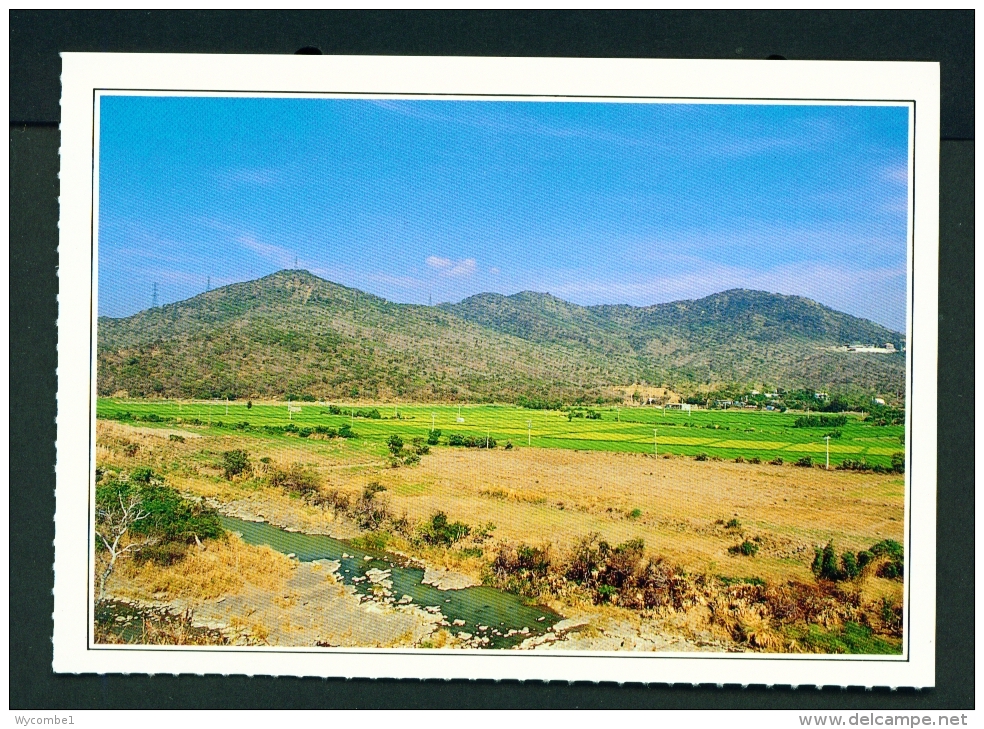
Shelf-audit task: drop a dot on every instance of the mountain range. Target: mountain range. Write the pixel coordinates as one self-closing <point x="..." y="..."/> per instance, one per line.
<point x="292" y="333"/>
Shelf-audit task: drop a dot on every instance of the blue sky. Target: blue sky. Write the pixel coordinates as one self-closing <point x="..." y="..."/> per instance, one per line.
<point x="419" y="199"/>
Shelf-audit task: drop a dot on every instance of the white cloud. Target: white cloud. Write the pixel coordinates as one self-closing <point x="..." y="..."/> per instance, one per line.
<point x="449" y="267"/>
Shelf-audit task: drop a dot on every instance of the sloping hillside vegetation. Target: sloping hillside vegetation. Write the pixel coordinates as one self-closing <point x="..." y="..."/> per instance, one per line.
<point x="294" y="334"/>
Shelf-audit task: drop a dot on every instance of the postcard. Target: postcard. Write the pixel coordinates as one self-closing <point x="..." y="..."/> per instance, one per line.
<point x="527" y="368"/>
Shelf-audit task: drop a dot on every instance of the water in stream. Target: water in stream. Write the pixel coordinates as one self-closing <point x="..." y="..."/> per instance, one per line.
<point x="501" y="612"/>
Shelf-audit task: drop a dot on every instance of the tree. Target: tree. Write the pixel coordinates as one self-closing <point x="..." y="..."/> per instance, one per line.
<point x="114" y="521"/>
<point x="235" y="462"/>
<point x="395" y="444"/>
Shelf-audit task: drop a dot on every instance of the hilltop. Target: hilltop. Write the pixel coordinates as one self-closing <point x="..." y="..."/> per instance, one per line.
<point x="294" y="333"/>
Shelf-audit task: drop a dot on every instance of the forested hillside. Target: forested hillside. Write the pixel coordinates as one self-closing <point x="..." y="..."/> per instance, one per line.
<point x="292" y="333"/>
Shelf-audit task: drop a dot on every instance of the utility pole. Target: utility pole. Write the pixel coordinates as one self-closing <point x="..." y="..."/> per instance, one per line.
<point x="529" y="432"/>
<point x="827" y="438"/>
<point x="227" y="404"/>
<point x="488" y="434"/>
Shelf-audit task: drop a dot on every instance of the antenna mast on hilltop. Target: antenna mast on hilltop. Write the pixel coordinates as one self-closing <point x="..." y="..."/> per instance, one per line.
<point x="153" y="297"/>
<point x="208" y="283"/>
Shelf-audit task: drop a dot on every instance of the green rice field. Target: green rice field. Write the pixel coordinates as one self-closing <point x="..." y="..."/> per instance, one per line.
<point x="725" y="434"/>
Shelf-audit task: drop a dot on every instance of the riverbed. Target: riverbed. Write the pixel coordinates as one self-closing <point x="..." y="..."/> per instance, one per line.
<point x="485" y="617"/>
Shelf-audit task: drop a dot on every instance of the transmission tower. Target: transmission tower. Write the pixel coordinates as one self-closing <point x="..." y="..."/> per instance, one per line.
<point x="153" y="297"/>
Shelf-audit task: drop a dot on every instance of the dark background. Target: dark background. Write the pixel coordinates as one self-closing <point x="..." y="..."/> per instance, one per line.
<point x="36" y="38"/>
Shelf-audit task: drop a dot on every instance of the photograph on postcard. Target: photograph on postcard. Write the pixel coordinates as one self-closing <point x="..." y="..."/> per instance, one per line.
<point x="500" y="374"/>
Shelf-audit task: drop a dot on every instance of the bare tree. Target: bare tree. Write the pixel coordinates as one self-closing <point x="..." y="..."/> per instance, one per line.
<point x="112" y="526"/>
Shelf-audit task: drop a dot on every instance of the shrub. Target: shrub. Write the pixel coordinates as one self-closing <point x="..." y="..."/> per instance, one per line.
<point x="235" y="463"/>
<point x="305" y="432"/>
<point x="825" y="563"/>
<point x="291" y="428"/>
<point x="509" y="445"/>
<point x="746" y="548"/>
<point x="521" y="568"/>
<point x="898" y="462"/>
<point x="370" y="513"/>
<point x="593" y="415"/>
<point x="266" y="459"/>
<point x="851" y="464"/>
<point x="337" y="500"/>
<point x="142" y="474"/>
<point x="434" y="437"/>
<point x="739" y="459"/>
<point x="804" y="462"/>
<point x="700" y="457"/>
<point x="346" y="431"/>
<point x="732" y="524"/>
<point x="169" y="517"/>
<point x="777" y="461"/>
<point x="249" y="404"/>
<point x="419" y="447"/>
<point x="894" y="567"/>
<point x="755" y="460"/>
<point x="850" y="565"/>
<point x="295" y="479"/>
<point x="820" y="421"/>
<point x="634" y="514"/>
<point x="439" y="531"/>
<point x="395" y="444"/>
<point x="176" y="438"/>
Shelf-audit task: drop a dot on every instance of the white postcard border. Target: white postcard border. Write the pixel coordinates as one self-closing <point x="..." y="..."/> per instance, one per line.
<point x="749" y="81"/>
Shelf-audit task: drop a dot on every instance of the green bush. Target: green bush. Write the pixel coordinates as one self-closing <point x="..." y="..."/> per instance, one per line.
<point x="746" y="548"/>
<point x="755" y="460"/>
<point x="700" y="457"/>
<point x="777" y="461"/>
<point x="346" y="431"/>
<point x="894" y="568"/>
<point x="235" y="463"/>
<point x="820" y="421"/>
<point x="176" y="438"/>
<point x="825" y="563"/>
<point x="439" y="531"/>
<point x="739" y="459"/>
<point x="852" y="464"/>
<point x="434" y="437"/>
<point x="732" y="524"/>
<point x="395" y="444"/>
<point x="850" y="565"/>
<point x="169" y="518"/>
<point x="634" y="514"/>
<point x="898" y="462"/>
<point x="804" y="462"/>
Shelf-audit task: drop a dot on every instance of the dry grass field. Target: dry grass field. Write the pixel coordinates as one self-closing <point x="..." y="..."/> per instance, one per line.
<point x="684" y="510"/>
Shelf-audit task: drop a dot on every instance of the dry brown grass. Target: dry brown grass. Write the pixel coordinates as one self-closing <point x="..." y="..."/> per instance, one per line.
<point x="537" y="494"/>
<point x="219" y="567"/>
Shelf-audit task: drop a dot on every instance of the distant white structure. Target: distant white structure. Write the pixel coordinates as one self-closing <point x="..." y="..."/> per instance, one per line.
<point x="889" y="348"/>
<point x="684" y="406"/>
<point x="821" y="396"/>
<point x="878" y="401"/>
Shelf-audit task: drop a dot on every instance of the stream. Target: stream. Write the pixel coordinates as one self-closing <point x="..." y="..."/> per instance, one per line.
<point x="506" y="619"/>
